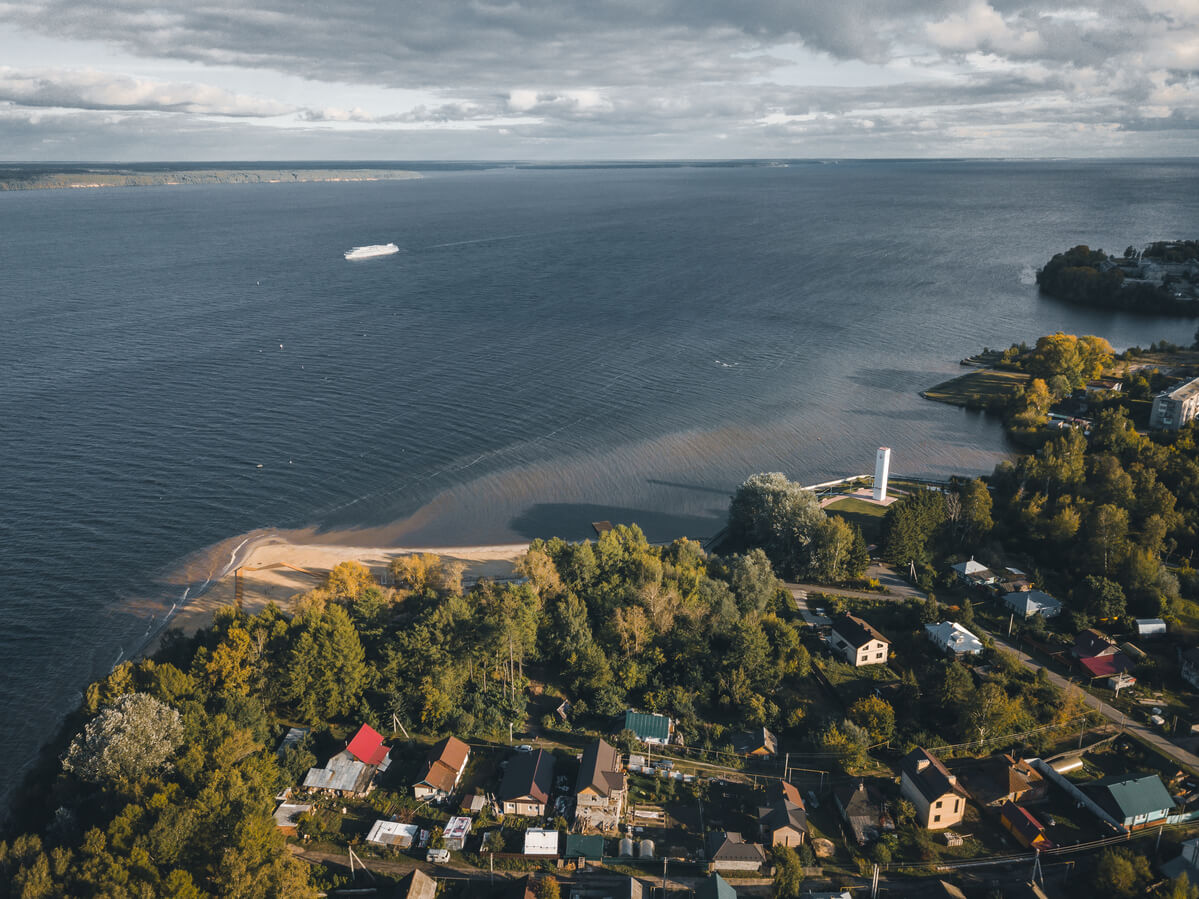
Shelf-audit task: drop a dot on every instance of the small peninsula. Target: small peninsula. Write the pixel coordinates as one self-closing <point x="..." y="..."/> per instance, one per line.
<point x="77" y="177"/>
<point x="1162" y="279"/>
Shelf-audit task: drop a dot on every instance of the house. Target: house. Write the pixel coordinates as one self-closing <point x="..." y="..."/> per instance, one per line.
<point x="1092" y="643"/>
<point x="526" y="786"/>
<point x="1173" y="409"/>
<point x="648" y="727"/>
<point x="1098" y="385"/>
<point x="1027" y="603"/>
<point x="1134" y="800"/>
<point x="1013" y="580"/>
<point x="1150" y="627"/>
<point x="1188" y="666"/>
<point x="342" y="774"/>
<point x="858" y="642"/>
<point x="953" y="639"/>
<point x="783" y="821"/>
<point x="1027" y="830"/>
<point x="601" y="787"/>
<point x="287" y="816"/>
<point x="1098" y="655"/>
<point x="541" y="842"/>
<point x="291" y="739"/>
<point x="443" y="769"/>
<point x="862" y="808"/>
<point x="715" y="887"/>
<point x="457" y="829"/>
<point x="417" y="885"/>
<point x="585" y="847"/>
<point x="729" y="852"/>
<point x="367" y="746"/>
<point x="353" y="769"/>
<point x="392" y="833"/>
<point x="927" y="783"/>
<point x="521" y="888"/>
<point x="758" y="742"/>
<point x="998" y="779"/>
<point x="974" y="574"/>
<point x="474" y="803"/>
<point x="1187" y="863"/>
<point x="622" y="887"/>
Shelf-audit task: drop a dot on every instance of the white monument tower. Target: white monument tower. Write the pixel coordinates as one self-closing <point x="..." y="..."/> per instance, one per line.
<point x="882" y="467"/>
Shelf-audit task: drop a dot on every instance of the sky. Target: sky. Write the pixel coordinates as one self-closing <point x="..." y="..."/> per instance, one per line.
<point x="206" y="80"/>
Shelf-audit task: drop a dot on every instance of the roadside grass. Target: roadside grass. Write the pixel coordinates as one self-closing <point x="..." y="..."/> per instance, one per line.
<point x="977" y="389"/>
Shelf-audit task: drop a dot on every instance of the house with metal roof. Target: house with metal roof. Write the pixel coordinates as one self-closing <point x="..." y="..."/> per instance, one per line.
<point x="715" y="887"/>
<point x="727" y="851"/>
<point x="417" y="885"/>
<point x="367" y="746"/>
<point x="589" y="847"/>
<point x="861" y="806"/>
<point x="541" y="842"/>
<point x="783" y="822"/>
<point x="526" y="786"/>
<point x="758" y="742"/>
<point x="342" y="774"/>
<point x="974" y="574"/>
<point x="392" y="833"/>
<point x="1151" y="627"/>
<point x="648" y="727"/>
<point x="601" y="786"/>
<point x="998" y="779"/>
<point x="935" y="793"/>
<point x="1027" y="603"/>
<point x="858" y="642"/>
<point x="1134" y="800"/>
<point x="1020" y="823"/>
<point x="457" y="829"/>
<point x="443" y="769"/>
<point x="953" y="639"/>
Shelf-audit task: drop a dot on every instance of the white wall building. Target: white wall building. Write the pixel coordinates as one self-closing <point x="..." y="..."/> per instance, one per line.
<point x="882" y="469"/>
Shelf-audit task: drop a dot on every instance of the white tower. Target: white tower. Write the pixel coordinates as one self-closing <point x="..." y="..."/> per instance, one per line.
<point x="882" y="467"/>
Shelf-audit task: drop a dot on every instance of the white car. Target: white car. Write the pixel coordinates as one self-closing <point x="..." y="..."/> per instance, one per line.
<point x="441" y="856"/>
<point x="524" y="747"/>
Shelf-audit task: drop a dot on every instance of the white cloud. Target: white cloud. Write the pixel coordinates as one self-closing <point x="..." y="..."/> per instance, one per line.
<point x="90" y="89"/>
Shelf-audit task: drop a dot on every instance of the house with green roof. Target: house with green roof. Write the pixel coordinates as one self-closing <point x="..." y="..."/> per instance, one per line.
<point x="588" y="847"/>
<point x="648" y="727"/>
<point x="715" y="887"/>
<point x="1135" y="800"/>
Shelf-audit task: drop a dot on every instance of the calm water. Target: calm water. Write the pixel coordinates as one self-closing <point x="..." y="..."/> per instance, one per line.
<point x="551" y="347"/>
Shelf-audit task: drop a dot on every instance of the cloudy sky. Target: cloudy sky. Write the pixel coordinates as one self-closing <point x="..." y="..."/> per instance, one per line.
<point x="596" y="79"/>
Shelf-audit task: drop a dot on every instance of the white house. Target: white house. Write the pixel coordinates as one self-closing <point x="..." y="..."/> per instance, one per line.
<point x="1027" y="603"/>
<point x="541" y="842"/>
<point x="858" y="642"/>
<point x="1151" y="627"/>
<point x="975" y="573"/>
<point x="953" y="638"/>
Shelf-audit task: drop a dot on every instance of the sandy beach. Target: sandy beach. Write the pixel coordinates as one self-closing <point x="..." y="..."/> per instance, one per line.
<point x="278" y="571"/>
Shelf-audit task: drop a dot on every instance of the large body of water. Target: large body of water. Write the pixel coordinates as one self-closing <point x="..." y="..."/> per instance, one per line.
<point x="553" y="346"/>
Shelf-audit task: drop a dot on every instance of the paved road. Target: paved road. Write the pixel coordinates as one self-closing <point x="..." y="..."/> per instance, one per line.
<point x="1165" y="746"/>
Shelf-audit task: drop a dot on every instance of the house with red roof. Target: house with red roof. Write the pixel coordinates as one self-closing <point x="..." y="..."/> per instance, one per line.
<point x="367" y="746"/>
<point x="1099" y="656"/>
<point x="1020" y="823"/>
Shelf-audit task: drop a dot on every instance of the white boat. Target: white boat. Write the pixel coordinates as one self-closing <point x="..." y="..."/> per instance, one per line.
<point x="381" y="249"/>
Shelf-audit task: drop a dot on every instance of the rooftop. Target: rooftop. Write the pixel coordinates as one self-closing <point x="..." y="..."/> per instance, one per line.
<point x="390" y="833"/>
<point x="541" y="842"/>
<point x="928" y="774"/>
<point x="648" y="726"/>
<point x="1134" y="795"/>
<point x="343" y="773"/>
<point x="856" y="632"/>
<point x="953" y="637"/>
<point x="529" y="774"/>
<point x="600" y="769"/>
<point x="367" y="746"/>
<point x="1184" y="391"/>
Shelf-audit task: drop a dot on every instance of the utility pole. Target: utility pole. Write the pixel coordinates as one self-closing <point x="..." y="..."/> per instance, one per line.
<point x="1037" y="875"/>
<point x="396" y="725"/>
<point x="664" y="860"/>
<point x="491" y="862"/>
<point x="874" y="884"/>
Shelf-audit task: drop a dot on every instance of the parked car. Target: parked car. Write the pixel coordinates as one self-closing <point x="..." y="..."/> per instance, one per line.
<point x="665" y="764"/>
<point x="441" y="856"/>
<point x="524" y="747"/>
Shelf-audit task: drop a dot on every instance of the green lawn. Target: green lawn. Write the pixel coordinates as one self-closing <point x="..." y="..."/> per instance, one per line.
<point x="977" y="389"/>
<point x="867" y="516"/>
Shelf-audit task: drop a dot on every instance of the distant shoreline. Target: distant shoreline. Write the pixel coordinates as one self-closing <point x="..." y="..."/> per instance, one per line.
<point x="100" y="177"/>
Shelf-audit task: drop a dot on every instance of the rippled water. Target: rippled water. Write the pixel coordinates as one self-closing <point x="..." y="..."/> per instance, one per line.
<point x="551" y="347"/>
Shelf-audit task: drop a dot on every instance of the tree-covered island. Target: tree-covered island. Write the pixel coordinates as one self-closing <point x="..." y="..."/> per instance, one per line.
<point x="1162" y="279"/>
